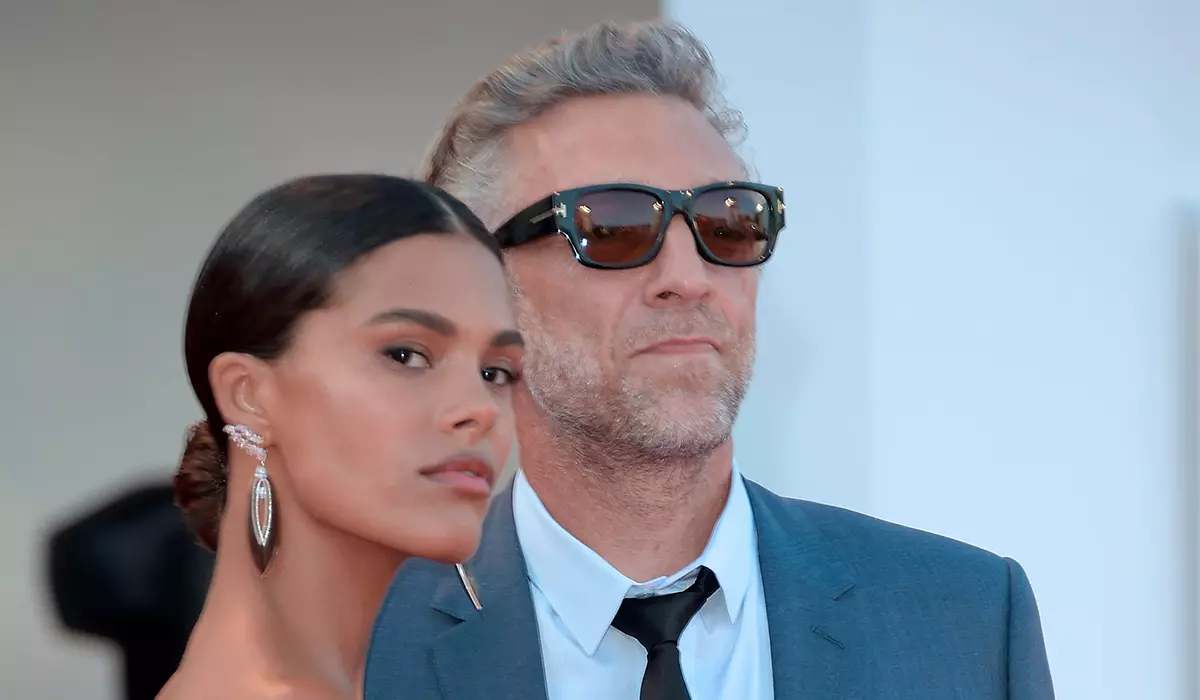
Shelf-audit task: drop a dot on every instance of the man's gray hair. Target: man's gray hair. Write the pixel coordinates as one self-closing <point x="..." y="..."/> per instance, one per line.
<point x="657" y="58"/>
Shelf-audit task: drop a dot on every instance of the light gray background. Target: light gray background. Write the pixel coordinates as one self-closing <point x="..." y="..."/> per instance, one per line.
<point x="130" y="131"/>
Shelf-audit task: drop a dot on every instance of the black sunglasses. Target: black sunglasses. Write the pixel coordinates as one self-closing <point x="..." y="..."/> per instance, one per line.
<point x="619" y="226"/>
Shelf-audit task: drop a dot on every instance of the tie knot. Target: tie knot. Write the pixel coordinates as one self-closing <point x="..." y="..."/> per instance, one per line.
<point x="661" y="619"/>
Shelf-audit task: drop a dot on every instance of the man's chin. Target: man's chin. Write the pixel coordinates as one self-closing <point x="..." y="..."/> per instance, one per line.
<point x="682" y="413"/>
<point x="693" y="382"/>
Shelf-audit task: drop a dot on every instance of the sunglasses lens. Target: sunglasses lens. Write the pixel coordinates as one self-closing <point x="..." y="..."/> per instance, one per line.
<point x="733" y="223"/>
<point x="618" y="227"/>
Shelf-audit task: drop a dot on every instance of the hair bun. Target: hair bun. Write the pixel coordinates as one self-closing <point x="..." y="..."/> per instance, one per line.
<point x="200" y="484"/>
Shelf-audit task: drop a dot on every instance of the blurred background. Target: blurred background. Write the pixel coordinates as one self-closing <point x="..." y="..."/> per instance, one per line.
<point x="982" y="320"/>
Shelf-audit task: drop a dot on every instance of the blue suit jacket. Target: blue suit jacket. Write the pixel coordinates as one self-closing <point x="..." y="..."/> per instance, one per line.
<point x="856" y="608"/>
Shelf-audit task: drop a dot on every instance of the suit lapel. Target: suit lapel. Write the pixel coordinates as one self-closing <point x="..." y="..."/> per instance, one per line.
<point x="817" y="646"/>
<point x="494" y="653"/>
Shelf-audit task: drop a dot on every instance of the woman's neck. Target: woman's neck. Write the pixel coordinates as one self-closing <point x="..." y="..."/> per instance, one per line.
<point x="303" y="627"/>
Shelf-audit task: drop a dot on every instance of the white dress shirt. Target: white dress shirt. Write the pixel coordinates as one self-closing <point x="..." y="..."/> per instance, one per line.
<point x="725" y="650"/>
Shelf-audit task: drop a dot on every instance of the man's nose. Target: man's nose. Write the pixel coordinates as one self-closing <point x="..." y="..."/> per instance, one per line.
<point x="679" y="276"/>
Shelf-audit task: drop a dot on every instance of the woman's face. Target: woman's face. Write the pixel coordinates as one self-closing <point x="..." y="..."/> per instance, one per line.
<point x="391" y="408"/>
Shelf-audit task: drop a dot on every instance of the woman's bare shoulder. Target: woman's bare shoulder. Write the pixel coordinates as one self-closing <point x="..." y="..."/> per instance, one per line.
<point x="178" y="689"/>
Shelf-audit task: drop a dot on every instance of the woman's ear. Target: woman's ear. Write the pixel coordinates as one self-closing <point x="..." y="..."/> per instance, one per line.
<point x="241" y="384"/>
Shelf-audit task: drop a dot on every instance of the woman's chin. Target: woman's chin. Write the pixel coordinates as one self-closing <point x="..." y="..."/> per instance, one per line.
<point x="445" y="540"/>
<point x="450" y="552"/>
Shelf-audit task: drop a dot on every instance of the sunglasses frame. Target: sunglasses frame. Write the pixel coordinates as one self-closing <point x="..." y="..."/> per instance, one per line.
<point x="551" y="216"/>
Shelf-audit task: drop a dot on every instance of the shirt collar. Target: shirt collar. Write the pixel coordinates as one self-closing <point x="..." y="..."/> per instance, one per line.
<point x="585" y="591"/>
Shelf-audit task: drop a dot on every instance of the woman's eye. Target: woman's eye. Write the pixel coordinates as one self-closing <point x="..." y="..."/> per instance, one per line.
<point x="408" y="357"/>
<point x="499" y="376"/>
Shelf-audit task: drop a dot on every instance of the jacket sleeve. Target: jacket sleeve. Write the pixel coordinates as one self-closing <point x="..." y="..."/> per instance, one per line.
<point x="1028" y="668"/>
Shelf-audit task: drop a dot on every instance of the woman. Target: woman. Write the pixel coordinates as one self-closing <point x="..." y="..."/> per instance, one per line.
<point x="350" y="341"/>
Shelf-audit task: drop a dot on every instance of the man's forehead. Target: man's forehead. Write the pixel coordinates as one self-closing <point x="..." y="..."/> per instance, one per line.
<point x="538" y="167"/>
<point x="640" y="139"/>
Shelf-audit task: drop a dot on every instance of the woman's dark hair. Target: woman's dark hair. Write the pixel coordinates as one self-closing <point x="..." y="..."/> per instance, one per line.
<point x="274" y="262"/>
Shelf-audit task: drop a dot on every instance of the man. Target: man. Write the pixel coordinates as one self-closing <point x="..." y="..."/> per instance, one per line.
<point x="630" y="559"/>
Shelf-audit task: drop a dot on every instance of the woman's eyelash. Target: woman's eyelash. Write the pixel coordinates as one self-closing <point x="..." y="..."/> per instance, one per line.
<point x="511" y="376"/>
<point x="418" y="359"/>
<point x="408" y="357"/>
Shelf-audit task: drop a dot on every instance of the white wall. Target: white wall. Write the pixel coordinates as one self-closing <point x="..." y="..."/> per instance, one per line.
<point x="130" y="131"/>
<point x="973" y="326"/>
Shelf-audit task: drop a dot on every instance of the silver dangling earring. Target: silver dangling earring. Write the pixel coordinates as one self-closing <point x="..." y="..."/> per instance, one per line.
<point x="264" y="531"/>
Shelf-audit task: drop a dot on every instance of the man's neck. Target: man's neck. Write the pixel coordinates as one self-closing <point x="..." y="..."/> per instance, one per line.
<point x="645" y="519"/>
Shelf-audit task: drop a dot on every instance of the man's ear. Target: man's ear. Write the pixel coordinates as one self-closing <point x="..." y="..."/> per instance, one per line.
<point x="240" y="384"/>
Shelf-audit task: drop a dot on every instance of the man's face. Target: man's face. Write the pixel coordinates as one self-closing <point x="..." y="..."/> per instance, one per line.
<point x="652" y="360"/>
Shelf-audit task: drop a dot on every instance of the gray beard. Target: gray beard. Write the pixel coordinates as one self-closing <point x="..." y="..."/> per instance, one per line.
<point x="610" y="423"/>
<point x="637" y="421"/>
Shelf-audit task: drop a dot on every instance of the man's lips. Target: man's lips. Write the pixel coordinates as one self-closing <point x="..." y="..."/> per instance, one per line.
<point x="681" y="346"/>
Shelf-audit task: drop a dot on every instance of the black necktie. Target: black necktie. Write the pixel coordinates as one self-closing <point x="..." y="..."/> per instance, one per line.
<point x="657" y="623"/>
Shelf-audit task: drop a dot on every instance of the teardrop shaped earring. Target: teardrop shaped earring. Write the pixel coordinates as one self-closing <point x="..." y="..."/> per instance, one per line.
<point x="264" y="530"/>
